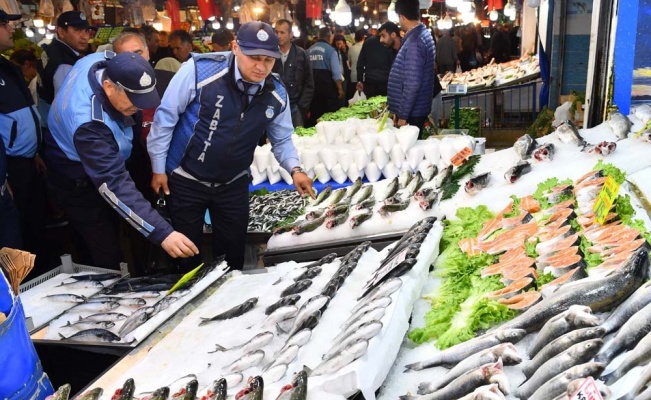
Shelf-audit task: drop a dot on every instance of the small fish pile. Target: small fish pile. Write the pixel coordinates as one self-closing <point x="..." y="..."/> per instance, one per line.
<point x="265" y="211"/>
<point x="568" y="133"/>
<point x="117" y="310"/>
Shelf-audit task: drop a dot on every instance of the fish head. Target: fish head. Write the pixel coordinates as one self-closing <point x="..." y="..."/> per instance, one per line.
<point x="589" y="348"/>
<point x="300" y="378"/>
<point x="574" y="386"/>
<point x="471" y="188"/>
<point x="220" y="387"/>
<point x="508" y="353"/>
<point x="511" y="335"/>
<point x="593" y="369"/>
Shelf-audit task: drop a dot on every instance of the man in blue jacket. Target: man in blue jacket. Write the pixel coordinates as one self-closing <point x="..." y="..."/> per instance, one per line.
<point x="90" y="139"/>
<point x="20" y="132"/>
<point x="214" y="112"/>
<point x="411" y="80"/>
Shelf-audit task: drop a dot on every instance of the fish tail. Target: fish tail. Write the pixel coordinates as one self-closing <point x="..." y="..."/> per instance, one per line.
<point x="413" y="367"/>
<point x="611" y="378"/>
<point x="408" y="397"/>
<point x="219" y="348"/>
<point x="204" y="321"/>
<point x="280" y="330"/>
<point x="63" y="337"/>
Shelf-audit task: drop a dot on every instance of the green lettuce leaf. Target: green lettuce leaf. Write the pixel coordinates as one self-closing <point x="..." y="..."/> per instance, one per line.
<point x="543" y="279"/>
<point x="610" y="170"/>
<point x="468" y="224"/>
<point x="591" y="259"/>
<point x="515" y="209"/>
<point x="545" y="186"/>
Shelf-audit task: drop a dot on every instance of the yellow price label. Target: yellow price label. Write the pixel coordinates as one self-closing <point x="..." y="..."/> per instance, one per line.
<point x="184" y="279"/>
<point x="605" y="200"/>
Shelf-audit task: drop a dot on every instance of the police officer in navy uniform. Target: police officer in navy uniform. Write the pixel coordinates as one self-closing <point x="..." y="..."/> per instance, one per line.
<point x="328" y="88"/>
<point x="20" y="133"/>
<point x="60" y="55"/>
<point x="205" y="131"/>
<point x="90" y="139"/>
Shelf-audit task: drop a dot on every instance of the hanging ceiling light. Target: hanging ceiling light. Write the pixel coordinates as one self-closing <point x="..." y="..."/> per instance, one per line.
<point x="361" y="19"/>
<point x="493" y="15"/>
<point x="356" y="22"/>
<point x="448" y="22"/>
<point x="328" y="10"/>
<point x="451" y="3"/>
<point x="344" y="15"/>
<point x="317" y="22"/>
<point x="365" y="7"/>
<point x="41" y="31"/>
<point x="512" y="16"/>
<point x="157" y="23"/>
<point x="49" y="36"/>
<point x="366" y="26"/>
<point x="391" y="12"/>
<point x="216" y="25"/>
<point x="229" y="24"/>
<point x="51" y="27"/>
<point x="509" y="9"/>
<point x="464" y="7"/>
<point x="468" y="17"/>
<point x="440" y="24"/>
<point x="29" y="32"/>
<point x="296" y="31"/>
<point x="38" y="23"/>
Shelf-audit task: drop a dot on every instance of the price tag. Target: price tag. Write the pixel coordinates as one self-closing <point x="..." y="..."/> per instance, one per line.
<point x="605" y="200"/>
<point x="457" y="88"/>
<point x="461" y="156"/>
<point x="587" y="391"/>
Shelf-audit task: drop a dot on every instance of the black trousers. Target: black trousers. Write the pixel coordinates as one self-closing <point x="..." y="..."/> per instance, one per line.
<point x="9" y="222"/>
<point x="372" y="88"/>
<point x="29" y="198"/>
<point x="228" y="206"/>
<point x="95" y="221"/>
<point x="326" y="96"/>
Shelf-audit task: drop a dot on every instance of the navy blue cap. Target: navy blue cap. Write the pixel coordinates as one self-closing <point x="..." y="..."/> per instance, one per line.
<point x="4" y="17"/>
<point x="258" y="39"/>
<point x="136" y="76"/>
<point x="73" y="18"/>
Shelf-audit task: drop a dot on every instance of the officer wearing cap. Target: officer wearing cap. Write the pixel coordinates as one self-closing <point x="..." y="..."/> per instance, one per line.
<point x="90" y="139"/>
<point x="215" y="109"/>
<point x="59" y="57"/>
<point x="20" y="134"/>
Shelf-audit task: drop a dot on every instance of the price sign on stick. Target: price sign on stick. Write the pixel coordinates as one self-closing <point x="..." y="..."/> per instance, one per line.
<point x="461" y="156"/>
<point x="605" y="200"/>
<point x="587" y="391"/>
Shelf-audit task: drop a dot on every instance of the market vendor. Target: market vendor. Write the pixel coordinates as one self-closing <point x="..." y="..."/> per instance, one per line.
<point x="204" y="134"/>
<point x="89" y="141"/>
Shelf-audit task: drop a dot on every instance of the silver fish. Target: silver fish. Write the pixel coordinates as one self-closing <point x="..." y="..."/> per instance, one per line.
<point x="354" y="188"/>
<point x="415" y="184"/>
<point x="234" y="312"/>
<point x="335" y="197"/>
<point x="340" y="360"/>
<point x="367" y="204"/>
<point x="308" y="226"/>
<point x="638" y="392"/>
<point x="627" y="336"/>
<point x="391" y="189"/>
<point x="640" y="355"/>
<point x="91" y="324"/>
<point x="468" y="382"/>
<point x="558" y="384"/>
<point x="364" y="193"/>
<point x="375" y="314"/>
<point x="387" y="288"/>
<point x="335" y="221"/>
<point x="136" y="319"/>
<point x="256" y="342"/>
<point x="104" y="317"/>
<point x="430" y="172"/>
<point x="404" y="178"/>
<point x="296" y="287"/>
<point x="366" y="331"/>
<point x="640" y="298"/>
<point x="455" y="354"/>
<point x="247" y="361"/>
<point x="275" y="373"/>
<point x="573" y="318"/>
<point x="568" y="133"/>
<point x="619" y="124"/>
<point x="280" y="314"/>
<point x="358" y="219"/>
<point x="575" y="355"/>
<point x="314" y="304"/>
<point x="284" y="301"/>
<point x="505" y="351"/>
<point x="164" y="304"/>
<point x="524" y="146"/>
<point x="442" y="177"/>
<point x="297" y="389"/>
<point x="82" y="284"/>
<point x="559" y="345"/>
<point x="387" y="209"/>
<point x="429" y="201"/>
<point x="395" y="199"/>
<point x="93" y="335"/>
<point x="66" y="298"/>
<point x="363" y="308"/>
<point x="474" y="185"/>
<point x="99" y="306"/>
<point x="285" y="357"/>
<point x="132" y="302"/>
<point x="323" y="195"/>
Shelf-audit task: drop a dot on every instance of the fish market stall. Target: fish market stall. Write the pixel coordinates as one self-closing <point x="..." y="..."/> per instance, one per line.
<point x="341" y="317"/>
<point x="122" y="314"/>
<point x="564" y="278"/>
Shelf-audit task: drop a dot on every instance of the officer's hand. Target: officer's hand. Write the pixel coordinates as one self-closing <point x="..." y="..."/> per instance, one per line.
<point x="158" y="182"/>
<point x="177" y="244"/>
<point x="360" y="87"/>
<point x="41" y="168"/>
<point x="303" y="184"/>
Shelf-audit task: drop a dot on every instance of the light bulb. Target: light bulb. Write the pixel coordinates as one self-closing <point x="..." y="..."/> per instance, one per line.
<point x="493" y="15"/>
<point x="356" y="22"/>
<point x="211" y="18"/>
<point x="49" y="36"/>
<point x="296" y="31"/>
<point x="365" y="7"/>
<point x="365" y="26"/>
<point x="391" y="12"/>
<point x="512" y="16"/>
<point x="451" y="3"/>
<point x="51" y="27"/>
<point x="216" y="25"/>
<point x="375" y="11"/>
<point x="229" y="24"/>
<point x="29" y="32"/>
<point x="317" y="22"/>
<point x="468" y="17"/>
<point x="343" y="14"/>
<point x="41" y="31"/>
<point x="38" y="23"/>
<point x="328" y="10"/>
<point x="361" y="19"/>
<point x="464" y="7"/>
<point x="236" y="8"/>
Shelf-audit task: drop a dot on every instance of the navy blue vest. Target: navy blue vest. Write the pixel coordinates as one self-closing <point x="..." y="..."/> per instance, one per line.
<point x="216" y="136"/>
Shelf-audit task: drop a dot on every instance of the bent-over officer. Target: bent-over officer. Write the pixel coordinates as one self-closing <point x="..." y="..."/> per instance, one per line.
<point x="214" y="112"/>
<point x="89" y="142"/>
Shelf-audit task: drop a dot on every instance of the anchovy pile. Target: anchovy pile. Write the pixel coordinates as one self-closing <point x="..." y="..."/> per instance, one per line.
<point x="267" y="210"/>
